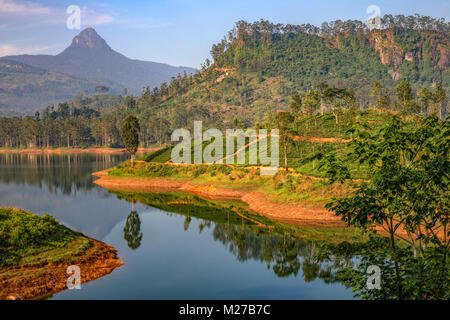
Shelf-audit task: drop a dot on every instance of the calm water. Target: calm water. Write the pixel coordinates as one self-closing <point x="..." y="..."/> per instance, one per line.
<point x="168" y="255"/>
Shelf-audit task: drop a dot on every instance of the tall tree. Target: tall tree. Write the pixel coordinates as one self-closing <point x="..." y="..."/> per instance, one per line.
<point x="407" y="189"/>
<point x="284" y="122"/>
<point x="296" y="105"/>
<point x="439" y="97"/>
<point x="130" y="135"/>
<point x="404" y="95"/>
<point x="425" y="98"/>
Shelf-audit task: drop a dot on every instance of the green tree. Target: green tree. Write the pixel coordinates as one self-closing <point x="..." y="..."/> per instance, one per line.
<point x="404" y="95"/>
<point x="296" y="105"/>
<point x="425" y="98"/>
<point x="382" y="100"/>
<point x="439" y="97"/>
<point x="408" y="173"/>
<point x="376" y="92"/>
<point x="311" y="101"/>
<point x="284" y="121"/>
<point x="130" y="135"/>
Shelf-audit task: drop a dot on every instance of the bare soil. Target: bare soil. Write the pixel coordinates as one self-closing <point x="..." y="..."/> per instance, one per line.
<point x="40" y="281"/>
<point x="257" y="201"/>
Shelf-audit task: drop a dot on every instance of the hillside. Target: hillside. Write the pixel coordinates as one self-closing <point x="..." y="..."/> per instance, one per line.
<point x="260" y="68"/>
<point x="24" y="89"/>
<point x="261" y="65"/>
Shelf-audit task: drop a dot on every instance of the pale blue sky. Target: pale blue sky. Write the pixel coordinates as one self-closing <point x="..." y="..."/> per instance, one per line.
<point x="178" y="32"/>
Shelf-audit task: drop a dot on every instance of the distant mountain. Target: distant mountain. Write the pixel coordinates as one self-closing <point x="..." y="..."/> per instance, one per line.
<point x="88" y="62"/>
<point x="24" y="89"/>
<point x="90" y="57"/>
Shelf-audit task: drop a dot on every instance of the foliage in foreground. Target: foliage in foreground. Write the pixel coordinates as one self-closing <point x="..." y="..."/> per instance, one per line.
<point x="23" y="234"/>
<point x="407" y="195"/>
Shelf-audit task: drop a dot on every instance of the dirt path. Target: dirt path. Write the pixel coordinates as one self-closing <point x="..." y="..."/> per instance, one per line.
<point x="320" y="139"/>
<point x="241" y="149"/>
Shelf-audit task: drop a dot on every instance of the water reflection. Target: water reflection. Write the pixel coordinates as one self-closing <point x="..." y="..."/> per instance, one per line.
<point x="132" y="231"/>
<point x="282" y="253"/>
<point x="173" y="246"/>
<point x="341" y="262"/>
<point x="220" y="254"/>
<point x="65" y="173"/>
<point x="61" y="185"/>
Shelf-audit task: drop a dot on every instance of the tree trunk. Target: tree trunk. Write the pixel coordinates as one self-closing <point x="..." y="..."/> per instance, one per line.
<point x="285" y="155"/>
<point x="132" y="160"/>
<point x="394" y="254"/>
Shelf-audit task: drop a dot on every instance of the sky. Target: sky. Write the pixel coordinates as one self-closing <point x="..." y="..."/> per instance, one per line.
<point x="177" y="32"/>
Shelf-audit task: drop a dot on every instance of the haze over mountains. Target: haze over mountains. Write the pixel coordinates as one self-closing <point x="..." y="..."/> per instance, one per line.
<point x="30" y="82"/>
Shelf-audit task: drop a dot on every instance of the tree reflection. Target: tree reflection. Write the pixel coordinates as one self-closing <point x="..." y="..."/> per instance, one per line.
<point x="132" y="231"/>
<point x="421" y="279"/>
<point x="187" y="222"/>
<point x="63" y="173"/>
<point x="287" y="255"/>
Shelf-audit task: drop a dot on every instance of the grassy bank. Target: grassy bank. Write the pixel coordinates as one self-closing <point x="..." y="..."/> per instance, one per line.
<point x="36" y="251"/>
<point x="26" y="239"/>
<point x="285" y="187"/>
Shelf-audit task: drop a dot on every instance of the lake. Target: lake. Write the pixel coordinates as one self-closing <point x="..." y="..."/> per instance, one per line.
<point x="198" y="250"/>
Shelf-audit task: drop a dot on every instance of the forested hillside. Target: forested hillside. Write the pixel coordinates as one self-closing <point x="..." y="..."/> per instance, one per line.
<point x="261" y="68"/>
<point x="23" y="88"/>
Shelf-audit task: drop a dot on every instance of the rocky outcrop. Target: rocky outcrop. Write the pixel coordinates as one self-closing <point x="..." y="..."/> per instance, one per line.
<point x="390" y="52"/>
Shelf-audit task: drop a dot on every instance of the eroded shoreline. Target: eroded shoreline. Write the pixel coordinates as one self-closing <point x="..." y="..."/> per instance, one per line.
<point x="38" y="281"/>
<point x="256" y="200"/>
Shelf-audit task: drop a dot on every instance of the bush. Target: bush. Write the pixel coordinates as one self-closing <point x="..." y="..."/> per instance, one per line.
<point x="21" y="231"/>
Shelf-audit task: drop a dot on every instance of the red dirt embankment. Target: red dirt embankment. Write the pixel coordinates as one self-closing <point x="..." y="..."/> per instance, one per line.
<point x="257" y="201"/>
<point x="76" y="150"/>
<point x="39" y="281"/>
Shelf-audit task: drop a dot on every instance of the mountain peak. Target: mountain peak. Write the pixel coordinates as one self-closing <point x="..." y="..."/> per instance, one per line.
<point x="89" y="39"/>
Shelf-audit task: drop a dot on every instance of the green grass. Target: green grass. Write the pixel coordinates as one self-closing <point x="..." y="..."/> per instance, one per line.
<point x="282" y="187"/>
<point x="159" y="156"/>
<point x="26" y="238"/>
<point x="302" y="154"/>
